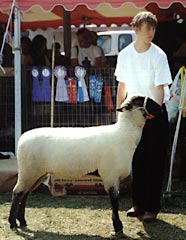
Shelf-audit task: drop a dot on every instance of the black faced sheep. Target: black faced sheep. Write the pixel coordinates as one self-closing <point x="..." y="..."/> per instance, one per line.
<point x="74" y="152"/>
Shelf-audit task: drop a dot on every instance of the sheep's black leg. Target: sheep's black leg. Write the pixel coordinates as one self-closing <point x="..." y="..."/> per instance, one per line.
<point x="113" y="194"/>
<point x="16" y="199"/>
<point x="21" y="211"/>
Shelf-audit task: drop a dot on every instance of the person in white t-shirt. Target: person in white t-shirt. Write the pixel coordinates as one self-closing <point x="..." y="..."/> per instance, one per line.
<point x="85" y="53"/>
<point x="142" y="68"/>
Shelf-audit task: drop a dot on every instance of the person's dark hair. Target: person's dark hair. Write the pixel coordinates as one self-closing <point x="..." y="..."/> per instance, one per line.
<point x="26" y="40"/>
<point x="38" y="42"/>
<point x="144" y="17"/>
<point x="39" y="50"/>
<point x="57" y="46"/>
<point x="85" y="33"/>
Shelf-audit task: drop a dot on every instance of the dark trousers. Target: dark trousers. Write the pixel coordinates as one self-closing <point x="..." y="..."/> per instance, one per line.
<point x="149" y="162"/>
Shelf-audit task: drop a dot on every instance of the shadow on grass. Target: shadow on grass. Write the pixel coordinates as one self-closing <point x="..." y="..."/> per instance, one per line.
<point x="162" y="230"/>
<point x="28" y="234"/>
<point x="158" y="230"/>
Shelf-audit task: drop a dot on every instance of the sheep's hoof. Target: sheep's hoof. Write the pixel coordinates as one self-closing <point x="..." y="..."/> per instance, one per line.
<point x="120" y="235"/>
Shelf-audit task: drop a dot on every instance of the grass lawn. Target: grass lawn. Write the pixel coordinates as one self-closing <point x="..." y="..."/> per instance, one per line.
<point x="89" y="218"/>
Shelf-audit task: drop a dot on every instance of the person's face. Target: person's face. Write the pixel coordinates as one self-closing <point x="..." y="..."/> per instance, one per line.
<point x="24" y="47"/>
<point x="146" y="32"/>
<point x="83" y="42"/>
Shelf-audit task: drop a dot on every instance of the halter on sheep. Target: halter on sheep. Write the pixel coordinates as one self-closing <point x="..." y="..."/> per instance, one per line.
<point x="72" y="159"/>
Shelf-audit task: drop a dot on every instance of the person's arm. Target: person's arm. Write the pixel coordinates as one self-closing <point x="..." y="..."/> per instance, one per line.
<point x="98" y="56"/>
<point x="98" y="62"/>
<point x="121" y="95"/>
<point x="162" y="78"/>
<point x="160" y="94"/>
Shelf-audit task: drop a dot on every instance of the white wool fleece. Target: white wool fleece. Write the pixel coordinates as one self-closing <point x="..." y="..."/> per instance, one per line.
<point x="74" y="152"/>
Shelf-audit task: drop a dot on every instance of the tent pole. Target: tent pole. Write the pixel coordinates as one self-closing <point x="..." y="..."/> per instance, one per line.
<point x="67" y="33"/>
<point x="17" y="75"/>
<point x="52" y="85"/>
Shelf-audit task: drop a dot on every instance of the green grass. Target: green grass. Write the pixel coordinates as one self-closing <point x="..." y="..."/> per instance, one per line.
<point x="89" y="218"/>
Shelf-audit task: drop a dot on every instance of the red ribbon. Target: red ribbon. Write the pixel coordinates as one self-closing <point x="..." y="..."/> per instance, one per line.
<point x="108" y="98"/>
<point x="72" y="91"/>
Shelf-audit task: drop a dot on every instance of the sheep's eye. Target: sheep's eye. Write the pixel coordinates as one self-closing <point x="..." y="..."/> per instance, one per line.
<point x="128" y="106"/>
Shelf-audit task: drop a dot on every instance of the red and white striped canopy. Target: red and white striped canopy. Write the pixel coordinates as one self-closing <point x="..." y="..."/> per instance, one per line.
<point x="49" y="13"/>
<point x="70" y="5"/>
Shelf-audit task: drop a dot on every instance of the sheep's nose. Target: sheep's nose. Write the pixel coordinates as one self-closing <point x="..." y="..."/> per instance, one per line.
<point x="120" y="109"/>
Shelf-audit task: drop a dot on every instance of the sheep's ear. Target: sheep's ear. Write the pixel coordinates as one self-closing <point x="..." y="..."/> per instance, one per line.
<point x="120" y="109"/>
<point x="126" y="106"/>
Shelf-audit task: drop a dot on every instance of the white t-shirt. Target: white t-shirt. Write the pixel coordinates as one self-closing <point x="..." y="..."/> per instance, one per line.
<point x="143" y="72"/>
<point x="91" y="53"/>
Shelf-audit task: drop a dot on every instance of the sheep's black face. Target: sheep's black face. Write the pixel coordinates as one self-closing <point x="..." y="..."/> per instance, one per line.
<point x="153" y="108"/>
<point x="145" y="104"/>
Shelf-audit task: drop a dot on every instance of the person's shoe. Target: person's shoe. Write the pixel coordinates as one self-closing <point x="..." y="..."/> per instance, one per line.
<point x="149" y="217"/>
<point x="133" y="212"/>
